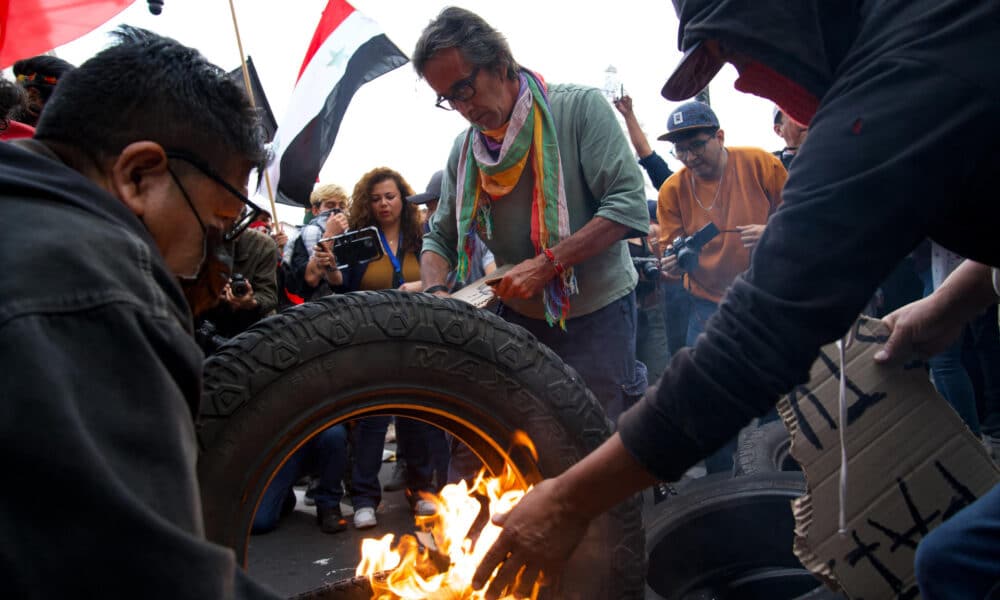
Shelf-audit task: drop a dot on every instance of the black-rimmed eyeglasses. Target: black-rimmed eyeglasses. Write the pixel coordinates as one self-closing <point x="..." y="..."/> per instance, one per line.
<point x="696" y="148"/>
<point x="461" y="91"/>
<point x="251" y="210"/>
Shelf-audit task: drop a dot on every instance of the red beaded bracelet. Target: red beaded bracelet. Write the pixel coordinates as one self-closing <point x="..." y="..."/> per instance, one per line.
<point x="555" y="263"/>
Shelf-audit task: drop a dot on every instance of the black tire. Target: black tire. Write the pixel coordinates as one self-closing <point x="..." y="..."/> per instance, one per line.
<point x="440" y="361"/>
<point x="765" y="449"/>
<point x="355" y="588"/>
<point x="728" y="538"/>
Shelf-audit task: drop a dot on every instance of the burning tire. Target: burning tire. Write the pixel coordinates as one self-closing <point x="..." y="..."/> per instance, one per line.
<point x="440" y="361"/>
<point x="729" y="538"/>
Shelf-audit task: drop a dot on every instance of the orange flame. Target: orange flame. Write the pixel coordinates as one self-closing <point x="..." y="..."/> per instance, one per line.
<point x="444" y="569"/>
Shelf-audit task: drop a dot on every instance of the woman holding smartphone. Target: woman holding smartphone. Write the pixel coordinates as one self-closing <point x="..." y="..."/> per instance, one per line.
<point x="379" y="200"/>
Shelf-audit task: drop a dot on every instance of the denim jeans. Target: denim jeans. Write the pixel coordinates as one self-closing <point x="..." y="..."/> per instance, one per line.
<point x="676" y="313"/>
<point x="701" y="311"/>
<point x="959" y="559"/>
<point x="325" y="454"/>
<point x="369" y="441"/>
<point x="424" y="448"/>
<point x="984" y="337"/>
<point x="721" y="461"/>
<point x="601" y="347"/>
<point x="651" y="346"/>
<point x="949" y="374"/>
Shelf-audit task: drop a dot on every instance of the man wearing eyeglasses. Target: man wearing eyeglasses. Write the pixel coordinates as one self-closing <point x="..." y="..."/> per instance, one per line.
<point x="545" y="177"/>
<point x="736" y="189"/>
<point x="132" y="185"/>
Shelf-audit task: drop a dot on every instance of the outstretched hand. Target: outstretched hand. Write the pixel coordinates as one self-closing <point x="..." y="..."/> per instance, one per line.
<point x="538" y="537"/>
<point x="922" y="328"/>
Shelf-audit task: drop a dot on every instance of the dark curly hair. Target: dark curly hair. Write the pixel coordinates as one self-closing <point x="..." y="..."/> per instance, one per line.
<point x="361" y="212"/>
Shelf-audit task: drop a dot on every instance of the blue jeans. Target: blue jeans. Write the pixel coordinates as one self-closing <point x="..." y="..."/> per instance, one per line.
<point x="651" y="347"/>
<point x="984" y="336"/>
<point x="325" y="454"/>
<point x="701" y="310"/>
<point x="949" y="374"/>
<point x="424" y="448"/>
<point x="959" y="559"/>
<point x="369" y="441"/>
<point x="601" y="347"/>
<point x="721" y="461"/>
<point x="676" y="313"/>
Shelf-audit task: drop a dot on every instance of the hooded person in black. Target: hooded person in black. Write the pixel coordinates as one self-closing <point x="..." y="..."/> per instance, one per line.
<point x="900" y="97"/>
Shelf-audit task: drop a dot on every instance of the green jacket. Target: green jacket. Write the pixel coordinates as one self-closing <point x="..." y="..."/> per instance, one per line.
<point x="601" y="179"/>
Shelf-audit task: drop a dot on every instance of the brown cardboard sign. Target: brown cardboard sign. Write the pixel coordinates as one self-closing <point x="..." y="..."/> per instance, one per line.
<point x="479" y="293"/>
<point x="912" y="463"/>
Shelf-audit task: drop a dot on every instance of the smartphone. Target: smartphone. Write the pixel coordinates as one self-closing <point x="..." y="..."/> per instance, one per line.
<point x="355" y="247"/>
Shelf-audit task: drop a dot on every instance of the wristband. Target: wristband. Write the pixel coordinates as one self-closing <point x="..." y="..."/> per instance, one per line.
<point x="436" y="288"/>
<point x="555" y="263"/>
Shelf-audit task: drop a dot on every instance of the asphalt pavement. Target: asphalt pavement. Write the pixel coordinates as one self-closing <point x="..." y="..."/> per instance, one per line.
<point x="297" y="556"/>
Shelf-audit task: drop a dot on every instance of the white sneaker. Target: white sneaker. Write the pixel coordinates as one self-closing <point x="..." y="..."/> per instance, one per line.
<point x="364" y="518"/>
<point x="424" y="508"/>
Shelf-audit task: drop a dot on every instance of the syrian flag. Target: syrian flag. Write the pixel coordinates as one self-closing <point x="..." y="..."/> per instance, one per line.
<point x="347" y="51"/>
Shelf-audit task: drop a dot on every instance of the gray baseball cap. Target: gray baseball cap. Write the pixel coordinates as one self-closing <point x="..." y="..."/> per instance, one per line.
<point x="433" y="190"/>
<point x="688" y="116"/>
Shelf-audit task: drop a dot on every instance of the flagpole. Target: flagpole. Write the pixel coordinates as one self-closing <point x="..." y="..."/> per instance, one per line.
<point x="249" y="88"/>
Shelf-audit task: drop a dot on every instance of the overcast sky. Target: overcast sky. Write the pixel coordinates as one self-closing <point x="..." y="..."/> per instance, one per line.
<point x="392" y="121"/>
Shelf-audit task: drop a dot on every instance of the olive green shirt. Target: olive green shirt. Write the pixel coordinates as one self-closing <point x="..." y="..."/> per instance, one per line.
<point x="601" y="179"/>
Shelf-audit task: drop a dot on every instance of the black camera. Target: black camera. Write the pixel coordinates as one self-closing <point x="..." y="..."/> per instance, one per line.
<point x="648" y="267"/>
<point x="207" y="338"/>
<point x="687" y="249"/>
<point x="355" y="247"/>
<point x="238" y="284"/>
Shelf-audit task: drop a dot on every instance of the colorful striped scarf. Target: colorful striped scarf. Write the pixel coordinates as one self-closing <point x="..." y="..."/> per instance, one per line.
<point x="485" y="175"/>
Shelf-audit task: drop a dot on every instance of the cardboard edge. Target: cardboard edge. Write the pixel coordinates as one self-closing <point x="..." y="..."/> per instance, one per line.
<point x="802" y="510"/>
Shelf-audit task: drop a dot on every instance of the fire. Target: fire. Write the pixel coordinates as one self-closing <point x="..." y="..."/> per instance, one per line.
<point x="443" y="568"/>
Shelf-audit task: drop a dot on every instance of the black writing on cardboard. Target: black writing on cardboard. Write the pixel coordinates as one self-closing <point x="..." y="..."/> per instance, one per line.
<point x="911" y="537"/>
<point x="862" y="402"/>
<point x="804" y="426"/>
<point x="920" y="523"/>
<point x="863" y="551"/>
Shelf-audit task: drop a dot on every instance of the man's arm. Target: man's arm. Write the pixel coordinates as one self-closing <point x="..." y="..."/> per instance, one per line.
<point x="615" y="181"/>
<point x="547" y="524"/>
<point x="654" y="165"/>
<point x="434" y="270"/>
<point x="113" y="388"/>
<point x="928" y="326"/>
<point x="528" y="278"/>
<point x="635" y="133"/>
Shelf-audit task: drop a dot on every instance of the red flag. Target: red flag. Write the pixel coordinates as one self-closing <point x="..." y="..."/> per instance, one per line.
<point x="347" y="51"/>
<point x="32" y="27"/>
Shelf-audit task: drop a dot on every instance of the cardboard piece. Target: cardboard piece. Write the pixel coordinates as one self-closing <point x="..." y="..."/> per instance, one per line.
<point x="912" y="463"/>
<point x="479" y="293"/>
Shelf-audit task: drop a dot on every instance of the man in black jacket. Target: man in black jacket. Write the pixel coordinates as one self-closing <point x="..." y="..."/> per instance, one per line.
<point x="135" y="178"/>
<point x="900" y="99"/>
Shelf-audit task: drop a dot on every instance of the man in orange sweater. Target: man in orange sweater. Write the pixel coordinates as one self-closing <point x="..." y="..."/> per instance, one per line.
<point x="736" y="189"/>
